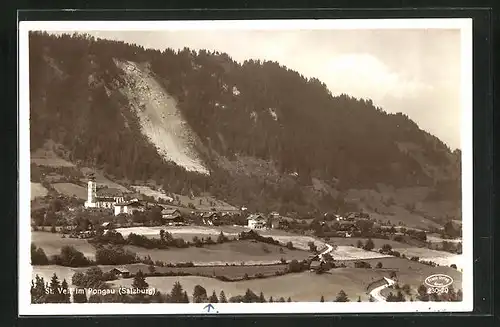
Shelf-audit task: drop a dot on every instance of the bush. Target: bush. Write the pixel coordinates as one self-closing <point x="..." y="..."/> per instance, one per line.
<point x="362" y="264"/>
<point x="70" y="257"/>
<point x="379" y="265"/>
<point x="114" y="255"/>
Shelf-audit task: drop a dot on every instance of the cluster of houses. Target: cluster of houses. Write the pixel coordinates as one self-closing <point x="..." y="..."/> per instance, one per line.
<point x="110" y="198"/>
<point x="114" y="199"/>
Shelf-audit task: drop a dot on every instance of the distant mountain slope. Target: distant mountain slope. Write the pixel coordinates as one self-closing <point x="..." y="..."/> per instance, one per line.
<point x="270" y="138"/>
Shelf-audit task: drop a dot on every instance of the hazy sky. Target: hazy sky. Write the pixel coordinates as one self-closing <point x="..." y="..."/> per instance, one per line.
<point x="416" y="72"/>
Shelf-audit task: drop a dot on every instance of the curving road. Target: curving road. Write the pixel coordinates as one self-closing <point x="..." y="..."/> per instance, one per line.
<point x="375" y="293"/>
<point x="328" y="249"/>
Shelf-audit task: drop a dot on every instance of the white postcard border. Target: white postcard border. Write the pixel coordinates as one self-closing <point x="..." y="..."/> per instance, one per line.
<point x="24" y="232"/>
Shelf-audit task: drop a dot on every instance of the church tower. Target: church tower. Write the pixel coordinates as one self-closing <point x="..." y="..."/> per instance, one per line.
<point x="91" y="193"/>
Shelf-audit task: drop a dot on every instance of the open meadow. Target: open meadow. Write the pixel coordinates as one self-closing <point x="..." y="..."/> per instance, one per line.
<point x="188" y="232"/>
<point x="37" y="190"/>
<point x="378" y="243"/>
<point x="70" y="189"/>
<point x="304" y="286"/>
<point x="351" y="253"/>
<point x="234" y="252"/>
<point x="52" y="243"/>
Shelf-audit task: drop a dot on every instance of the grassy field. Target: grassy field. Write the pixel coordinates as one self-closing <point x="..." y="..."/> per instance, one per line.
<point x="101" y="180"/>
<point x="37" y="190"/>
<point x="188" y="232"/>
<point x="232" y="272"/>
<point x="148" y="191"/>
<point x="231" y="252"/>
<point x="350" y="253"/>
<point x="304" y="287"/>
<point x="439" y="257"/>
<point x="52" y="243"/>
<point x="352" y="241"/>
<point x="70" y="189"/>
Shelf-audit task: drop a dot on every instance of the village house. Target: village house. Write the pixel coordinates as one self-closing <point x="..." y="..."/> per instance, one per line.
<point x="256" y="221"/>
<point x="120" y="272"/>
<point x="128" y="207"/>
<point x="210" y="218"/>
<point x="172" y="216"/>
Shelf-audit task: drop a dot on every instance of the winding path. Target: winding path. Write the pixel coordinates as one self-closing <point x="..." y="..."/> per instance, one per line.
<point x="375" y="293"/>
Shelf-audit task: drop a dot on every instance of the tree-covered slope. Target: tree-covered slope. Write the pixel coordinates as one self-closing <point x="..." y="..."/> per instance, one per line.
<point x="245" y="116"/>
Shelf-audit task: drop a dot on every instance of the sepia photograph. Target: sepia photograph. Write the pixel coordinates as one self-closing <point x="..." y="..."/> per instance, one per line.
<point x="264" y="166"/>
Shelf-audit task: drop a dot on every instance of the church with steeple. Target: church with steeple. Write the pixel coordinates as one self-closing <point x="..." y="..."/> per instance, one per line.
<point x="102" y="198"/>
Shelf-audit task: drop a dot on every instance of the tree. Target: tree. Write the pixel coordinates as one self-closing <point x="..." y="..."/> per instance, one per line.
<point x="271" y="299"/>
<point x="185" y="298"/>
<point x="151" y="269"/>
<point x="176" y="294"/>
<point x="322" y="299"/>
<point x="369" y="245"/>
<point x="359" y="244"/>
<point x="386" y="248"/>
<point x="289" y="245"/>
<point x="312" y="247"/>
<point x="199" y="294"/>
<point x="213" y="298"/>
<point x="379" y="265"/>
<point x="80" y="296"/>
<point x="139" y="281"/>
<point x="65" y="292"/>
<point x="407" y="289"/>
<point x="391" y="297"/>
<point x="400" y="297"/>
<point x="422" y="293"/>
<point x="54" y="295"/>
<point x="95" y="298"/>
<point x="221" y="238"/>
<point x="38" y="256"/>
<point x="359" y="298"/>
<point x="289" y="299"/>
<point x="328" y="257"/>
<point x="341" y="297"/>
<point x="371" y="299"/>
<point x="222" y="297"/>
<point x="250" y="297"/>
<point x="38" y="290"/>
<point x="262" y="299"/>
<point x="392" y="275"/>
<point x="281" y="299"/>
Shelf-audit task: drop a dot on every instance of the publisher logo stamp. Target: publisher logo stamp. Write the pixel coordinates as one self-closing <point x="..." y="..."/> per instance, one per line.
<point x="438" y="283"/>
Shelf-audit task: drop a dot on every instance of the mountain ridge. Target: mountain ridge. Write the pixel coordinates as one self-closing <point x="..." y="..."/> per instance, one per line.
<point x="245" y="116"/>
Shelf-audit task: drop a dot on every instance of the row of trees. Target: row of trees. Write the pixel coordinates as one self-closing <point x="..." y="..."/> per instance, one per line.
<point x="91" y="287"/>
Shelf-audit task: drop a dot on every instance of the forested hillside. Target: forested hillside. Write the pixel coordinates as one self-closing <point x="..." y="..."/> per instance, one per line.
<point x="254" y="114"/>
